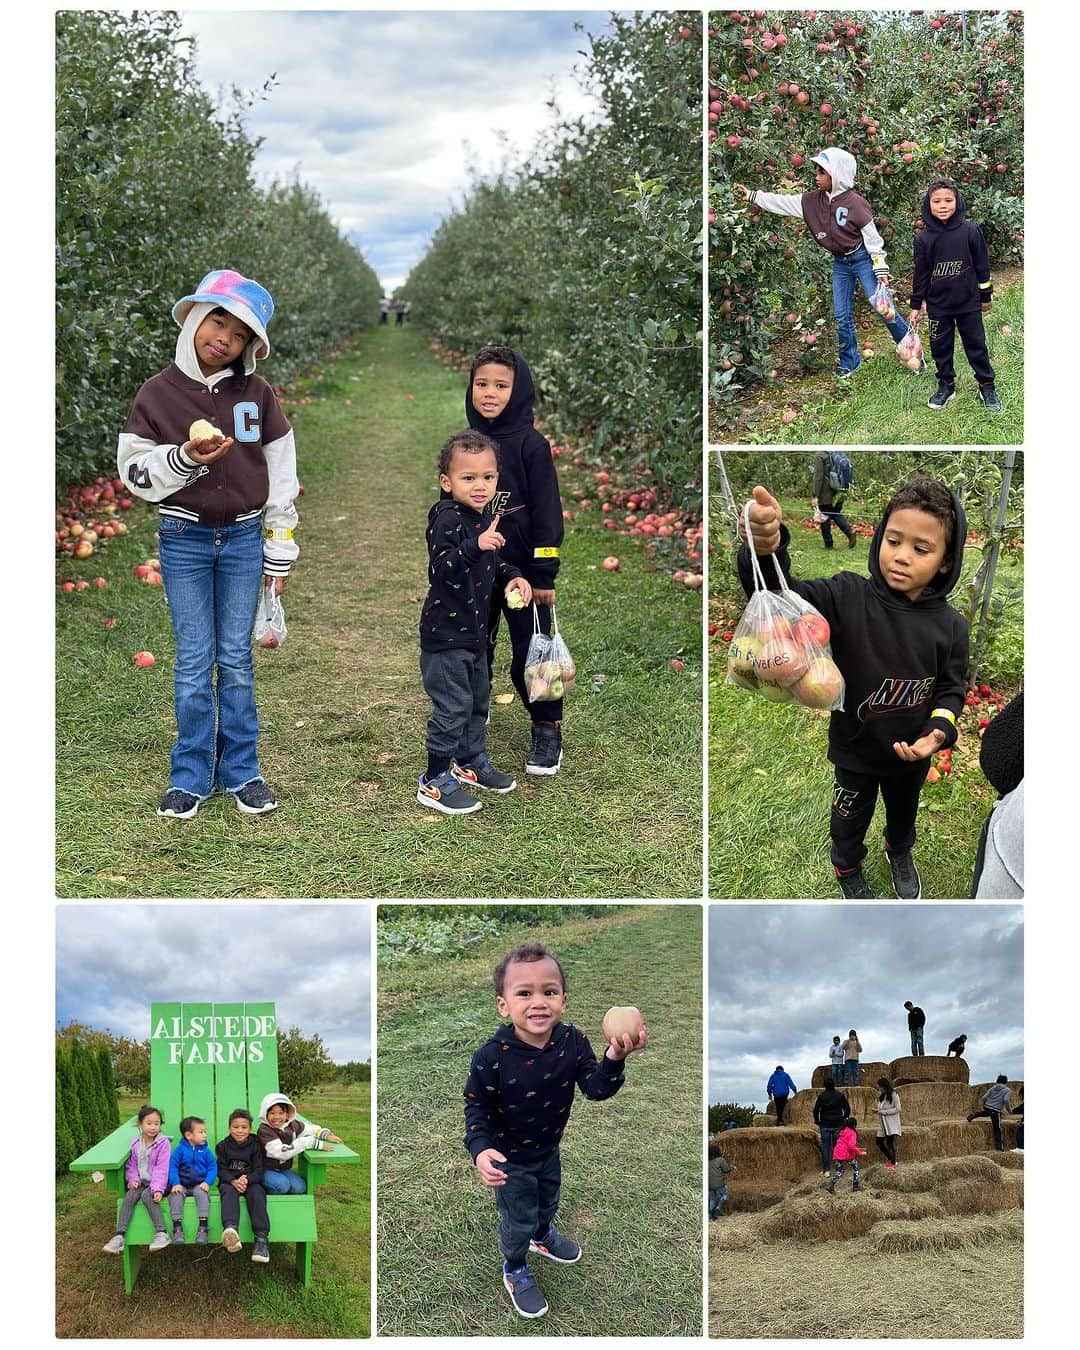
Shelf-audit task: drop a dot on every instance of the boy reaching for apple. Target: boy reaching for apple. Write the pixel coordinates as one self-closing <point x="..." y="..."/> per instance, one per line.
<point x="903" y="652"/>
<point x="464" y="568"/>
<point x="517" y="1103"/>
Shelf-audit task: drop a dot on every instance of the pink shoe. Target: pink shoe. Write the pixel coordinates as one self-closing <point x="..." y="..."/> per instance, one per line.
<point x="890" y="1167"/>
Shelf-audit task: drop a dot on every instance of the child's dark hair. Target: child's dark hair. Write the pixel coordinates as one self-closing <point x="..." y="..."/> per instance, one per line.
<point x="148" y="1110"/>
<point x="886" y="1089"/>
<point x="924" y="493"/>
<point x="526" y="952"/>
<point x="493" y="355"/>
<point x="946" y="183"/>
<point x="240" y="1114"/>
<point x="714" y="1150"/>
<point x="239" y="381"/>
<point x="469" y="442"/>
<point x="851" y="1123"/>
<point x="828" y="1085"/>
<point x="1003" y="1078"/>
<point x="189" y="1123"/>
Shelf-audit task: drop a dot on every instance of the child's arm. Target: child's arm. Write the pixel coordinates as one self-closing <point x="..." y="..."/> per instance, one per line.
<point x="154" y="471"/>
<point x="950" y="689"/>
<point x="280" y="549"/>
<point x="875" y="246"/>
<point x="920" y="281"/>
<point x="981" y="260"/>
<point x="174" y="1169"/>
<point x="212" y="1170"/>
<point x="779" y="203"/>
<point x="510" y="579"/>
<point x="771" y="536"/>
<point x="453" y="549"/>
<point x="282" y="1151"/>
<point x="545" y="513"/>
<point x="598" y="1081"/>
<point x="481" y="1092"/>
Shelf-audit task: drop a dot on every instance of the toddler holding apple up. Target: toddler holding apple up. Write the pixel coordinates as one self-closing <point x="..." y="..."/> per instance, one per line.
<point x="903" y="652"/>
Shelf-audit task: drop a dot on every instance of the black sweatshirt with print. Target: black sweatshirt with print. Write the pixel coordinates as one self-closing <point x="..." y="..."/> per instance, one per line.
<point x="901" y="659"/>
<point x="518" y="1097"/>
<point x="461" y="576"/>
<point x="952" y="266"/>
<point x="239" y="1160"/>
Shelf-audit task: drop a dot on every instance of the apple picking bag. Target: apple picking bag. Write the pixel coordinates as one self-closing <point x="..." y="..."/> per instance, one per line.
<point x="270" y="629"/>
<point x="780" y="648"/>
<point x="884" y="301"/>
<point x="549" y="668"/>
<point x="909" y="349"/>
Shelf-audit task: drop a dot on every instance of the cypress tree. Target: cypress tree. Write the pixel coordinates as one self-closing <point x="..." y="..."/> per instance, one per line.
<point x="70" y="1097"/>
<point x="88" y="1090"/>
<point x="66" y="1149"/>
<point x="108" y="1084"/>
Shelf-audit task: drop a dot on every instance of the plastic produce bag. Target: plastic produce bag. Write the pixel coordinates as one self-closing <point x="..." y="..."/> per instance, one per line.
<point x="884" y="301"/>
<point x="270" y="629"/>
<point x="909" y="349"/>
<point x="560" y="653"/>
<point x="549" y="668"/>
<point x="780" y="648"/>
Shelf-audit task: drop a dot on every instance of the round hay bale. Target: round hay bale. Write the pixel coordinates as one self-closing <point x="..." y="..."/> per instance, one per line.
<point x="761" y="1121"/>
<point x="980" y="1089"/>
<point x="870" y="1070"/>
<point x="934" y="1101"/>
<point x="773" y="1154"/>
<point x="927" y="1069"/>
<point x="801" y="1107"/>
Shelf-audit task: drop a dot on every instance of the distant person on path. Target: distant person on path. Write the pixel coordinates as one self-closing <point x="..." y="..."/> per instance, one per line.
<point x="829" y="500"/>
<point x="464" y="570"/>
<point x="842" y="222"/>
<point x="831" y="1110"/>
<point x="499" y="403"/>
<point x="887" y="1110"/>
<point x="852" y="1048"/>
<point x="779" y="1087"/>
<point x="730" y="1124"/>
<point x="846" y="1149"/>
<point x="956" y="1047"/>
<point x="384" y="310"/>
<point x="192" y="1171"/>
<point x="226" y="521"/>
<point x="836" y="1061"/>
<point x="240" y="1161"/>
<point x="399" y="313"/>
<point x="146" y="1174"/>
<point x="995" y="1100"/>
<point x="916" y="1021"/>
<point x="719" y="1167"/>
<point x="999" y="858"/>
<point x="513" y="1077"/>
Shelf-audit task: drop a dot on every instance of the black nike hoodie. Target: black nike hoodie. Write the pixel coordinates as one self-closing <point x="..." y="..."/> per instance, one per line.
<point x="461" y="577"/>
<point x="902" y="660"/>
<point x="952" y="266"/>
<point x="528" y="493"/>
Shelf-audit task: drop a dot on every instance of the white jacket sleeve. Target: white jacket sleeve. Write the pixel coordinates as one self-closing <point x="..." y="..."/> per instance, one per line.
<point x="280" y="549"/>
<point x="875" y="246"/>
<point x="154" y="472"/>
<point x="779" y="203"/>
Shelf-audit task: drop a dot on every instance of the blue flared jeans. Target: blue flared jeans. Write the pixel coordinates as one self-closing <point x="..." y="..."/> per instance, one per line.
<point x="856" y="269"/>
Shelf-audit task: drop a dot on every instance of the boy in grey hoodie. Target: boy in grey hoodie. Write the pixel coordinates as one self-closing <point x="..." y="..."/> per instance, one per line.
<point x="842" y="222"/>
<point x="995" y="1100"/>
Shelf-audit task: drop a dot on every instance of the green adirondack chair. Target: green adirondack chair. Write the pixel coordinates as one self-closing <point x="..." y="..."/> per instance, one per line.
<point x="206" y="1059"/>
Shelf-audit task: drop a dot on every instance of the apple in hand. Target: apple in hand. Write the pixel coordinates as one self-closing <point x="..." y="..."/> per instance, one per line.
<point x="620" y="1022"/>
<point x="514" y="599"/>
<point x="202" y="430"/>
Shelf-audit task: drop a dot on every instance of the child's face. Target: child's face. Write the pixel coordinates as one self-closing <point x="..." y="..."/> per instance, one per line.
<point x="219" y="340"/>
<point x="472" y="478"/>
<point x="912" y="551"/>
<point x="823" y="179"/>
<point x="533" y="998"/>
<point x="151" y="1125"/>
<point x="492" y="386"/>
<point x="197" y="1134"/>
<point x="942" y="203"/>
<point x="277" y="1116"/>
<point x="239" y="1129"/>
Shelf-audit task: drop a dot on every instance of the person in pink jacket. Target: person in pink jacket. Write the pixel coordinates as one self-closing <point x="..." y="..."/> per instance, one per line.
<point x="147" y="1175"/>
<point x="846" y="1149"/>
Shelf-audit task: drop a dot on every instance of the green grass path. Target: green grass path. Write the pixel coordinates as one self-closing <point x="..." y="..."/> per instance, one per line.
<point x="343" y="711"/>
<point x="631" y="1190"/>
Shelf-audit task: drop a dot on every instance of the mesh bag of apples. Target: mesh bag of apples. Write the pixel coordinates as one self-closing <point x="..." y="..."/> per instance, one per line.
<point x="780" y="648"/>
<point x="909" y="349"/>
<point x="549" y="668"/>
<point x="884" y="301"/>
<point x="269" y="630"/>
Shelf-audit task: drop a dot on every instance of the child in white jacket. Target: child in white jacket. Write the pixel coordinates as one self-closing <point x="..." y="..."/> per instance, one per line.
<point x="284" y="1137"/>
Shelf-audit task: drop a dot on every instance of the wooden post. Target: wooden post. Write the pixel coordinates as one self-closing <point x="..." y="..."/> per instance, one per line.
<point x="303" y="1263"/>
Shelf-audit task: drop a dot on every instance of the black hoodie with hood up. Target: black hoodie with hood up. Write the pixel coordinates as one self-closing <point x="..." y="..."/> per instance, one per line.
<point x="902" y="660"/>
<point x="952" y="266"/>
<point x="528" y="493"/>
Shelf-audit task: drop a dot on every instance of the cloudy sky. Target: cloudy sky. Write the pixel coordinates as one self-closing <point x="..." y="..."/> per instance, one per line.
<point x="785" y="979"/>
<point x="382" y="112"/>
<point x="312" y="961"/>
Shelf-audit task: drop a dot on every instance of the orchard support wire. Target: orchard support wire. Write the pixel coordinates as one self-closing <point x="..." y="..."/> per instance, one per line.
<point x="991" y="568"/>
<point x="731" y="511"/>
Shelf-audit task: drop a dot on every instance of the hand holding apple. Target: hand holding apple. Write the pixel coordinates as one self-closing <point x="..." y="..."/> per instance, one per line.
<point x="621" y="1046"/>
<point x="518" y="593"/>
<point x="765" y="517"/>
<point x="742" y="188"/>
<point x="207" y="450"/>
<point x="491" y="540"/>
<point x="625" y="1031"/>
<point x="923" y="748"/>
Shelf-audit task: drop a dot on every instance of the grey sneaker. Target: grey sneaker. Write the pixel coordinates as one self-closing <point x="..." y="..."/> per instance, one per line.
<point x="179" y="804"/>
<point x="444" y="793"/>
<point x="830" y="1186"/>
<point x="261" y="1251"/>
<point x="230" y="1240"/>
<point x="202" y="1237"/>
<point x="255" y="799"/>
<point x="545" y="749"/>
<point x="906" y="882"/>
<point x="853" y="885"/>
<point x="159" y="1241"/>
<point x="480" y="773"/>
<point x="943" y="394"/>
<point x="556" y="1247"/>
<point x="115" y="1244"/>
<point x="525" y="1294"/>
<point x="178" y="1234"/>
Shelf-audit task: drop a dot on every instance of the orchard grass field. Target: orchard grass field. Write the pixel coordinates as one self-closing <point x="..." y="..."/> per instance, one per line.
<point x="342" y="708"/>
<point x="631" y="1166"/>
<point x="206" y="1292"/>
<point x="770" y="782"/>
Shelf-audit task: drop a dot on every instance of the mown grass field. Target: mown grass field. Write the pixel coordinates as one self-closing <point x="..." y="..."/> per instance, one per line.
<point x="342" y="708"/>
<point x="631" y="1166"/>
<point x="206" y="1292"/>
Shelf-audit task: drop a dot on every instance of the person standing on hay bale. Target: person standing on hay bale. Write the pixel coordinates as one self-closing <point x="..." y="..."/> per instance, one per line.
<point x="852" y="1050"/>
<point x="916" y="1021"/>
<point x="845" y="1150"/>
<point x="718" y="1169"/>
<point x="956" y="1047"/>
<point x="995" y="1100"/>
<point x="778" y="1087"/>
<point x="831" y="1110"/>
<point x="887" y="1110"/>
<point x="836" y="1060"/>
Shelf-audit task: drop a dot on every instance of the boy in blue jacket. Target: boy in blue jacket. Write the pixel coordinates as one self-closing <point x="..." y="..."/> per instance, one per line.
<point x="779" y="1087"/>
<point x="192" y="1171"/>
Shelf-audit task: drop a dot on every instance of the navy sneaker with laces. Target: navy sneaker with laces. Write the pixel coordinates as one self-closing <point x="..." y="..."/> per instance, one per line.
<point x="545" y="749"/>
<point x="556" y="1247"/>
<point x="853" y="885"/>
<point x="178" y="804"/>
<point x="525" y="1294"/>
<point x="906" y="881"/>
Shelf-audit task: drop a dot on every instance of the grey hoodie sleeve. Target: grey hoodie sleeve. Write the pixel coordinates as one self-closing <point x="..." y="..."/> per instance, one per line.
<point x="779" y="203"/>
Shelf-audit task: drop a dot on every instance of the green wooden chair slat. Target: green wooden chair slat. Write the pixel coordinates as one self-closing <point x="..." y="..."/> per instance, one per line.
<point x="166" y="1082"/>
<point x="262" y="1066"/>
<point x="197" y="1069"/>
<point x="230" y="1079"/>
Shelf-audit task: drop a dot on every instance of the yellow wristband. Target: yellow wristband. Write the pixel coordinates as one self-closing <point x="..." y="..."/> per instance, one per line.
<point x="545" y="552"/>
<point x="944" y="712"/>
<point x="280" y="534"/>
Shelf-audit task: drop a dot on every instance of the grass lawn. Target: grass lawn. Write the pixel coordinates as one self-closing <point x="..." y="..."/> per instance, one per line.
<point x="631" y="1166"/>
<point x="206" y="1292"/>
<point x="343" y="711"/>
<point x="884" y="404"/>
<point x="770" y="783"/>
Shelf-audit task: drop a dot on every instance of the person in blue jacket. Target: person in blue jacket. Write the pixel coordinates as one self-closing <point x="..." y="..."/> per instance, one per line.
<point x="192" y="1171"/>
<point x="778" y="1087"/>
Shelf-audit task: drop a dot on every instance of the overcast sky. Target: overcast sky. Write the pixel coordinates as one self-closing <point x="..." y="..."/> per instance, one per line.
<point x="381" y="111"/>
<point x="785" y="979"/>
<point x="312" y="961"/>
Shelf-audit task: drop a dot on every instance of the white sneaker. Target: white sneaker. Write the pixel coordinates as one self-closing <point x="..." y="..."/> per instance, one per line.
<point x="115" y="1244"/>
<point x="160" y="1241"/>
<point x="230" y="1240"/>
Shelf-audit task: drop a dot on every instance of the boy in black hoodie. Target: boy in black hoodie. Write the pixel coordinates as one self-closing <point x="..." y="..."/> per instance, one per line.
<point x="240" y="1173"/>
<point x="499" y="402"/>
<point x="517" y="1103"/>
<point x="952" y="285"/>
<point x="903" y="652"/>
<point x="463" y="569"/>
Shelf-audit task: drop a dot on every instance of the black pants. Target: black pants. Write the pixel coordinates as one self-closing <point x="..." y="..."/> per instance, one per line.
<point x="995" y="1121"/>
<point x="519" y="623"/>
<point x="781" y="1105"/>
<point x="256" y="1206"/>
<point x="457" y="684"/>
<point x="973" y="337"/>
<point x="886" y="1145"/>
<point x="833" y="514"/>
<point x="527" y="1204"/>
<point x="854" y="799"/>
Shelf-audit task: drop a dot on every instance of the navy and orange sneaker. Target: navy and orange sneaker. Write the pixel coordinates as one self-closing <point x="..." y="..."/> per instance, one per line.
<point x="556" y="1247"/>
<point x="444" y="793"/>
<point x="480" y="773"/>
<point x="525" y="1294"/>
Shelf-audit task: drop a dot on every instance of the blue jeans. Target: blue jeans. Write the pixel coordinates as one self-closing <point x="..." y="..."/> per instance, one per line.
<point x="855" y="268"/>
<point x="829" y="1136"/>
<point x="916" y="1040"/>
<point x="213" y="578"/>
<point x="284" y="1183"/>
<point x="717" y="1201"/>
<point x="851" y="1072"/>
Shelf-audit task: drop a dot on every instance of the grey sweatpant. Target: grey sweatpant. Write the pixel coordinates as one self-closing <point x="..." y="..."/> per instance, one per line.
<point x="458" y="684"/>
<point x="131" y="1199"/>
<point x="177" y="1198"/>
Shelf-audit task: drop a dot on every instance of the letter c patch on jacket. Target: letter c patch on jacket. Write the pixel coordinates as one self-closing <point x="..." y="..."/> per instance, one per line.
<point x="246" y="422"/>
<point x="841" y="216"/>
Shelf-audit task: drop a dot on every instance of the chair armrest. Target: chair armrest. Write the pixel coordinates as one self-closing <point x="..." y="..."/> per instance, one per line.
<point x="108" y="1154"/>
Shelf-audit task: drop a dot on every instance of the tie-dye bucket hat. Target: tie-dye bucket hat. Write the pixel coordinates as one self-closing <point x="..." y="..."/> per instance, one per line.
<point x="251" y="303"/>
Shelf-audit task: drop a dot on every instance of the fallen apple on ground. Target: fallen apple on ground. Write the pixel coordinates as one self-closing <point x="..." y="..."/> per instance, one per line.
<point x="144" y="659"/>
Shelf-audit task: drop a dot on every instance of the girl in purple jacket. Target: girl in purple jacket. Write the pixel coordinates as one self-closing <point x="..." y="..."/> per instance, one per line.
<point x="147" y="1175"/>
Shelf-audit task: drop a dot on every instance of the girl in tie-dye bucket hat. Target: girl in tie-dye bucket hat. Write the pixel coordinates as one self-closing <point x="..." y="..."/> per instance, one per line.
<point x="225" y="494"/>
